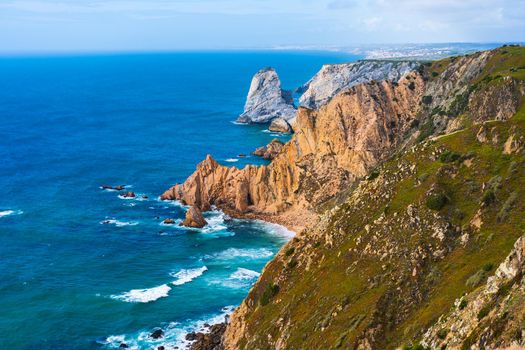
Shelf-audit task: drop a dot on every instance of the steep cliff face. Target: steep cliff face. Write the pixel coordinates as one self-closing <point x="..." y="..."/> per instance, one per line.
<point x="331" y="148"/>
<point x="426" y="228"/>
<point x="335" y="78"/>
<point x="267" y="100"/>
<point x="376" y="271"/>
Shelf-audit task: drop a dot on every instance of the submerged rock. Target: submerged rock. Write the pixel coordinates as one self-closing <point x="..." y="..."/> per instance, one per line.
<point x="266" y="100"/>
<point x="334" y="78"/>
<point x="280" y="125"/>
<point x="157" y="334"/>
<point x="115" y="188"/>
<point x="129" y="195"/>
<point x="194" y="218"/>
<point x="168" y="221"/>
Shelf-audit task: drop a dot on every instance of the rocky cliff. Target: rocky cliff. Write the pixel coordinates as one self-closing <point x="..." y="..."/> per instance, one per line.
<point x="334" y="78"/>
<point x="410" y="192"/>
<point x="380" y="269"/>
<point x="331" y="148"/>
<point x="267" y="100"/>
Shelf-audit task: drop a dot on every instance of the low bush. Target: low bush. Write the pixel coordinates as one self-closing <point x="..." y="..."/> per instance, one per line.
<point x="436" y="201"/>
<point x="449" y="157"/>
<point x="270" y="291"/>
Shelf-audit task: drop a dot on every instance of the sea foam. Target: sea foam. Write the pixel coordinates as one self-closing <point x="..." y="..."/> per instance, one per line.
<point x="246" y="253"/>
<point x="10" y="212"/>
<point x="118" y="223"/>
<point x="143" y="295"/>
<point x="187" y="275"/>
<point x="231" y="160"/>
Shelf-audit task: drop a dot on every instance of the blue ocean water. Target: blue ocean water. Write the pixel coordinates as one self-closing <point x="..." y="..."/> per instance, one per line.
<point x="69" y="124"/>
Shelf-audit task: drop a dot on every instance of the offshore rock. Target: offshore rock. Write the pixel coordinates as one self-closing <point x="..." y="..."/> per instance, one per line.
<point x="335" y="78"/>
<point x="266" y="100"/>
<point x="269" y="151"/>
<point x="280" y="125"/>
<point x="194" y="218"/>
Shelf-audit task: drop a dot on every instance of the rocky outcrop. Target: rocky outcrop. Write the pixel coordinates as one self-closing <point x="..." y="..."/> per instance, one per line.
<point x="280" y="125"/>
<point x="334" y="78"/>
<point x="194" y="218"/>
<point x="488" y="318"/>
<point x="331" y="148"/>
<point x="267" y="100"/>
<point x="270" y="151"/>
<point x="210" y="340"/>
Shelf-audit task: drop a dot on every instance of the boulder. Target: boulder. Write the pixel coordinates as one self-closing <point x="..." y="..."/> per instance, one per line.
<point x="266" y="100"/>
<point x="168" y="221"/>
<point x="157" y="334"/>
<point x="270" y="151"/>
<point x="129" y="195"/>
<point x="194" y="218"/>
<point x="280" y="125"/>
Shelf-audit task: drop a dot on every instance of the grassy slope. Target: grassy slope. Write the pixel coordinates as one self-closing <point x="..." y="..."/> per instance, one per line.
<point x="347" y="292"/>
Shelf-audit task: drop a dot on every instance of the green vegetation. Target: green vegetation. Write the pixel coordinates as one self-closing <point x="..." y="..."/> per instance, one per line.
<point x="270" y="291"/>
<point x="436" y="201"/>
<point x="449" y="157"/>
<point x="362" y="258"/>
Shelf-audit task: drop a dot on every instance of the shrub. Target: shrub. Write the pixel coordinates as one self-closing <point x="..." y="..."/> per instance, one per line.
<point x="507" y="207"/>
<point x="289" y="251"/>
<point x="434" y="74"/>
<point x="449" y="157"/>
<point x="436" y="201"/>
<point x="426" y="100"/>
<point x="442" y="333"/>
<point x="425" y="130"/>
<point x="292" y="264"/>
<point x="463" y="304"/>
<point x="483" y="312"/>
<point x="489" y="197"/>
<point x="270" y="291"/>
<point x="487" y="267"/>
<point x="373" y="175"/>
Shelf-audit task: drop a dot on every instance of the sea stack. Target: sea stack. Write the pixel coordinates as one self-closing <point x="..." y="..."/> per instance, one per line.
<point x="266" y="100"/>
<point x="194" y="218"/>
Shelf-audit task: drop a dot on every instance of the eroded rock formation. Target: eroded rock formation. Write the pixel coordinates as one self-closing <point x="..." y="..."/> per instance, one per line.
<point x="334" y="78"/>
<point x="267" y="100"/>
<point x="331" y="148"/>
<point x="270" y="151"/>
<point x="194" y="218"/>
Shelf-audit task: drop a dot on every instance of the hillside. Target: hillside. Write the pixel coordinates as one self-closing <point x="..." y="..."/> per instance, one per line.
<point x="414" y="194"/>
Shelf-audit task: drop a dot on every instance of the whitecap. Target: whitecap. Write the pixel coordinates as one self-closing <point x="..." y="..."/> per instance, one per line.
<point x="10" y="212"/>
<point x="238" y="123"/>
<point x="187" y="275"/>
<point x="118" y="223"/>
<point x="244" y="274"/>
<point x="231" y="160"/>
<point x="247" y="253"/>
<point x="174" y="333"/>
<point x="241" y="278"/>
<point x="143" y="295"/>
<point x="173" y="202"/>
<point x="275" y="229"/>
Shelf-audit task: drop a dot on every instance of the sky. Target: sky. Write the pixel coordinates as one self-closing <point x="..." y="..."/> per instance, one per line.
<point x="152" y="25"/>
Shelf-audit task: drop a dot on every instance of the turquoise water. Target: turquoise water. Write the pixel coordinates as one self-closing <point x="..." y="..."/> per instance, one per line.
<point x="70" y="124"/>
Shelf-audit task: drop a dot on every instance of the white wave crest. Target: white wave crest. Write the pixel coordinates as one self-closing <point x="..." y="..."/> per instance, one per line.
<point x="10" y="212"/>
<point x="118" y="223"/>
<point x="234" y="253"/>
<point x="143" y="295"/>
<point x="187" y="275"/>
<point x="231" y="160"/>
<point x="244" y="274"/>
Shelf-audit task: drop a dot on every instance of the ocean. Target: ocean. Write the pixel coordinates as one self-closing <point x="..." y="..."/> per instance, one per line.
<point x="82" y="268"/>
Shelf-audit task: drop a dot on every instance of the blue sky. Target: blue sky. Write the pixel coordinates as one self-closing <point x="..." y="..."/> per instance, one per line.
<point x="123" y="25"/>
